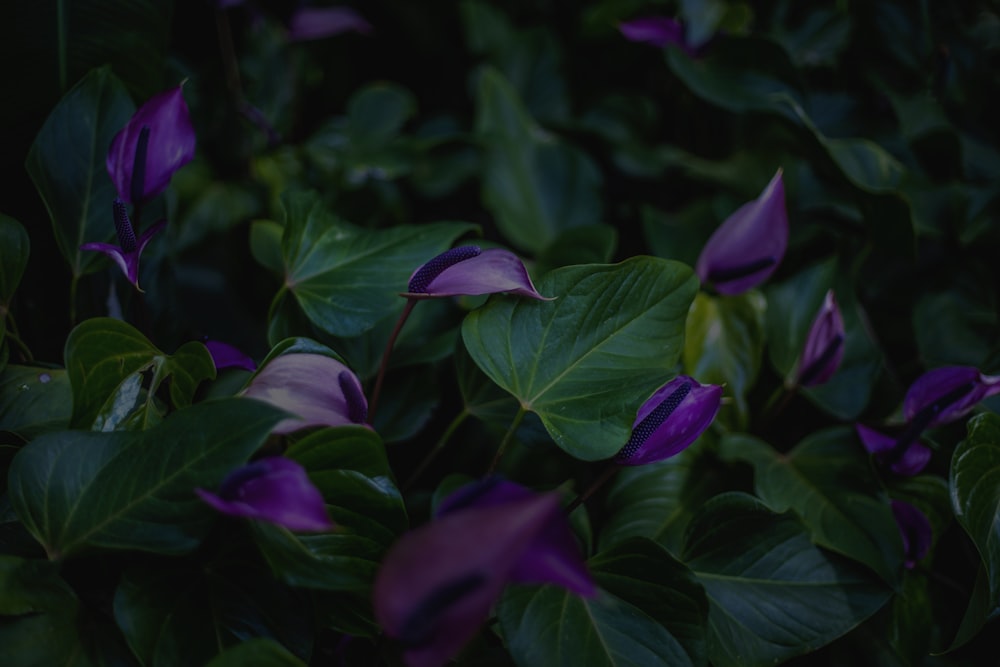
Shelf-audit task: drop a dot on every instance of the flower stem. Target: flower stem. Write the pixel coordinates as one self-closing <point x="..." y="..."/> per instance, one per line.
<point x="506" y="440"/>
<point x="433" y="453"/>
<point x="776" y="404"/>
<point x="601" y="480"/>
<point x="74" y="281"/>
<point x="373" y="401"/>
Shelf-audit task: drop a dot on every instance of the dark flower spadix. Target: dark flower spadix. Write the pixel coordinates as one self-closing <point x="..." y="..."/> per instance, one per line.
<point x="915" y="529"/>
<point x="903" y="454"/>
<point x="318" y="389"/>
<point x="469" y="270"/>
<point x="670" y="420"/>
<point x="157" y="141"/>
<point x="438" y="582"/>
<point x="273" y="489"/>
<point x="748" y="246"/>
<point x="945" y="394"/>
<point x="824" y="348"/>
<point x="126" y="254"/>
<point x="225" y="355"/>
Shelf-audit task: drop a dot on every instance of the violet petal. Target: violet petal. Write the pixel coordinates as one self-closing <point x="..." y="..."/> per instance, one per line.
<point x="491" y="271"/>
<point x="225" y="355"/>
<point x="914" y="457"/>
<point x="824" y="347"/>
<point x="670" y="420"/>
<point x="915" y="529"/>
<point x="311" y="387"/>
<point x="318" y="22"/>
<point x="948" y="393"/>
<point x="128" y="262"/>
<point x="274" y="489"/>
<point x="658" y="31"/>
<point x="749" y="245"/>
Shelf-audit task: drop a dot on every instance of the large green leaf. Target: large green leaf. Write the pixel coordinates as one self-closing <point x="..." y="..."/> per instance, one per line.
<point x="828" y="481"/>
<point x="724" y="343"/>
<point x="347" y="278"/>
<point x="975" y="494"/>
<point x="772" y="593"/>
<point x="82" y="490"/>
<point x="256" y="652"/>
<point x="34" y="400"/>
<point x="105" y="359"/>
<point x="586" y="361"/>
<point x="550" y="626"/>
<point x="535" y="185"/>
<point x="67" y="165"/>
<point x="186" y="613"/>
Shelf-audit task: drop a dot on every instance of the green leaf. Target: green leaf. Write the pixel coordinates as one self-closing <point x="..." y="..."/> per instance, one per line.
<point x="586" y="361"/>
<point x="104" y="357"/>
<point x="772" y="593"/>
<point x="185" y="613"/>
<point x="975" y="494"/>
<point x="589" y="244"/>
<point x="34" y="400"/>
<point x="828" y="481"/>
<point x="14" y="251"/>
<point x="67" y="165"/>
<point x="83" y="490"/>
<point x="550" y="626"/>
<point x="724" y="343"/>
<point x="265" y="245"/>
<point x="346" y="278"/>
<point x="535" y="185"/>
<point x="256" y="652"/>
<point x="658" y="500"/>
<point x="28" y="586"/>
<point x="376" y="114"/>
<point x="643" y="574"/>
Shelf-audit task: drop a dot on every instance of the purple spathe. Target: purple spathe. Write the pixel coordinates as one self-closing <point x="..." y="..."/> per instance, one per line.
<point x="467" y="270"/>
<point x="903" y="455"/>
<point x="948" y="393"/>
<point x="914" y="529"/>
<point x="824" y="347"/>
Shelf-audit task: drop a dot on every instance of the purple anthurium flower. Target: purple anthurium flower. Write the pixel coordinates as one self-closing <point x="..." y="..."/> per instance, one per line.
<point x="748" y="246"/>
<point x="157" y="141"/>
<point x="273" y="489"/>
<point x="945" y="394"/>
<point x="318" y="22"/>
<point x="915" y="529"/>
<point x="318" y="390"/>
<point x="670" y="420"/>
<point x="126" y="254"/>
<point x="904" y="455"/>
<point x="658" y="31"/>
<point x="225" y="355"/>
<point x="469" y="270"/>
<point x="438" y="583"/>
<point x="824" y="348"/>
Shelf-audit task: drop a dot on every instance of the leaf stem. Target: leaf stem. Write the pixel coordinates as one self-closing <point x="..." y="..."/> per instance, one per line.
<point x="74" y="281"/>
<point x="506" y="440"/>
<point x="600" y="481"/>
<point x="373" y="401"/>
<point x="438" y="447"/>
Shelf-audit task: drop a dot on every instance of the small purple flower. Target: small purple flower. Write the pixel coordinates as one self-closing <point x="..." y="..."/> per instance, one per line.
<point x="658" y="31"/>
<point x="915" y="529"/>
<point x="670" y="420"/>
<point x="273" y="489"/>
<point x="469" y="270"/>
<point x="225" y="355"/>
<point x="824" y="348"/>
<point x="157" y="141"/>
<point x="318" y="22"/>
<point x="318" y="389"/>
<point x="904" y="455"/>
<point x="438" y="583"/>
<point x="748" y="246"/>
<point x="129" y="249"/>
<point x="945" y="394"/>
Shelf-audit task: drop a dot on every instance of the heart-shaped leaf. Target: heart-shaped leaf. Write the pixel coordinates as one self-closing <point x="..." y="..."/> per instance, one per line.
<point x="586" y="361"/>
<point x="79" y="490"/>
<point x="34" y="400"/>
<point x="772" y="593"/>
<point x="103" y="358"/>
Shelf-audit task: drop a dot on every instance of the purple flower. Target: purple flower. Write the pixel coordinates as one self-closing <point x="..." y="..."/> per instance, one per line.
<point x="915" y="529"/>
<point x="659" y="31"/>
<point x="903" y="455"/>
<point x="318" y="389"/>
<point x="824" y="348"/>
<point x="945" y="394"/>
<point x="227" y="356"/>
<point x="157" y="141"/>
<point x="747" y="248"/>
<point x="670" y="420"/>
<point x="470" y="270"/>
<point x="438" y="583"/>
<point x="318" y="22"/>
<point x="273" y="489"/>
<point x="126" y="254"/>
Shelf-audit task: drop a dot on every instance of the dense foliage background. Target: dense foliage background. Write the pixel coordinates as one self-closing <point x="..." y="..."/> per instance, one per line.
<point x="535" y="126"/>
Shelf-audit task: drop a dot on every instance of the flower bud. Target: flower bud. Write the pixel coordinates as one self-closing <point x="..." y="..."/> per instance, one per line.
<point x="824" y="348"/>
